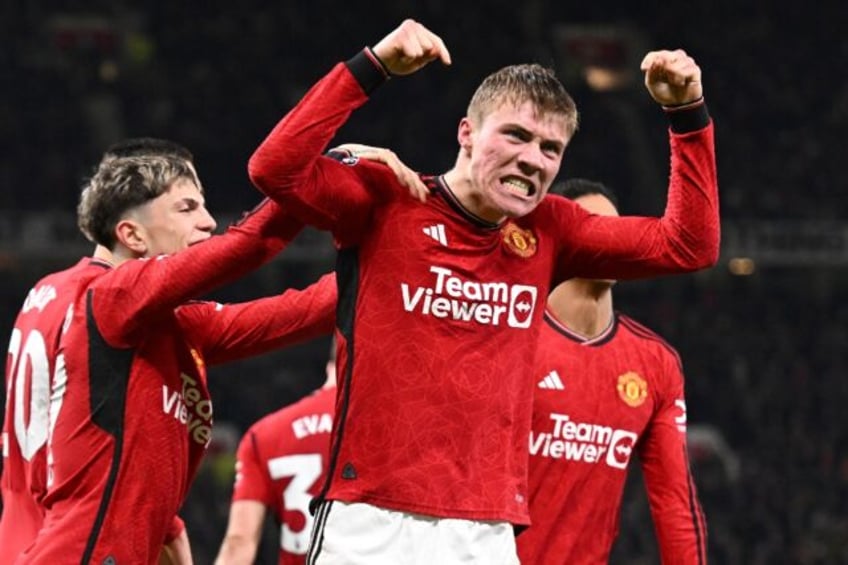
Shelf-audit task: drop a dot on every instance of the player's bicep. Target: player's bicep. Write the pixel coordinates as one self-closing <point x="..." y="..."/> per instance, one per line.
<point x="626" y="247"/>
<point x="203" y="324"/>
<point x="665" y="438"/>
<point x="334" y="197"/>
<point x="613" y="247"/>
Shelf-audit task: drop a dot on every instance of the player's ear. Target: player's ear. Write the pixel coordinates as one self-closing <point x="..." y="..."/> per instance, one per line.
<point x="131" y="235"/>
<point x="464" y="135"/>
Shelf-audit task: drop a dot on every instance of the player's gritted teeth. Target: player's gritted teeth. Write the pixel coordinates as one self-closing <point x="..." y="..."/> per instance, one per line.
<point x="519" y="187"/>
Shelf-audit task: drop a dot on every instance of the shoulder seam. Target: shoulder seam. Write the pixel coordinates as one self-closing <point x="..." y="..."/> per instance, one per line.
<point x="649" y="334"/>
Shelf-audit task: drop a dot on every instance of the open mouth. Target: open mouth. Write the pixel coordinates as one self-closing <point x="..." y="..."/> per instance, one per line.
<point x="519" y="187"/>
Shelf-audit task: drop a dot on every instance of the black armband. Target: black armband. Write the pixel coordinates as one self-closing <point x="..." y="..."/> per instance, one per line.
<point x="688" y="117"/>
<point x="368" y="70"/>
<point x="338" y="154"/>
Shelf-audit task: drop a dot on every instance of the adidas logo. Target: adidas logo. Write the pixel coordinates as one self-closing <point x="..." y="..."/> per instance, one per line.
<point x="437" y="232"/>
<point x="552" y="381"/>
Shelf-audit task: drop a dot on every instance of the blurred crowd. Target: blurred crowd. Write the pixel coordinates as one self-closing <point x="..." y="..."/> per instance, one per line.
<point x="765" y="356"/>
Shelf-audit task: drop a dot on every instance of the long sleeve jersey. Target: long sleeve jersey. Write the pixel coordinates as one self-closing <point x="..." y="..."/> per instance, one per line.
<point x="439" y="310"/>
<point x="131" y="410"/>
<point x="600" y="402"/>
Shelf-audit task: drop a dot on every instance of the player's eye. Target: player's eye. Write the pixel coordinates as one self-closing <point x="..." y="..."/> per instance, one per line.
<point x="552" y="148"/>
<point x="518" y="134"/>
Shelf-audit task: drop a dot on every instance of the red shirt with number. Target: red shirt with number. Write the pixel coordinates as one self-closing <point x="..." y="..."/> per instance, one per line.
<point x="282" y="463"/>
<point x="135" y="416"/>
<point x="30" y="369"/>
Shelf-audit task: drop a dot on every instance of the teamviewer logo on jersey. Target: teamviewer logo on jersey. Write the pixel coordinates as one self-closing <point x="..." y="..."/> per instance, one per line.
<point x="621" y="447"/>
<point x="523" y="299"/>
<point x="437" y="232"/>
<point x="586" y="442"/>
<point x="453" y="297"/>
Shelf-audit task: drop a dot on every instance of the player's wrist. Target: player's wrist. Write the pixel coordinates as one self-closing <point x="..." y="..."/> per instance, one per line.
<point x="687" y="117"/>
<point x="378" y="61"/>
<point x="368" y="70"/>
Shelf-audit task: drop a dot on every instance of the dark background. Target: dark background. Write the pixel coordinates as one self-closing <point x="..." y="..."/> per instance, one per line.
<point x="764" y="353"/>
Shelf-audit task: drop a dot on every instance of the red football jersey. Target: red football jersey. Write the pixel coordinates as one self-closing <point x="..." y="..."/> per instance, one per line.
<point x="135" y="415"/>
<point x="30" y="369"/>
<point x="439" y="310"/>
<point x="598" y="402"/>
<point x="282" y="463"/>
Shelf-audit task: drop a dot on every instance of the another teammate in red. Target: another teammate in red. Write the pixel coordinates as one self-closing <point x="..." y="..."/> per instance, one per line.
<point x="607" y="389"/>
<point x="30" y="370"/>
<point x="282" y="461"/>
<point x="440" y="303"/>
<point x="131" y="413"/>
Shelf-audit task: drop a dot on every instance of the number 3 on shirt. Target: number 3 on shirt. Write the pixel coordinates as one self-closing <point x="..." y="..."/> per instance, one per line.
<point x="304" y="471"/>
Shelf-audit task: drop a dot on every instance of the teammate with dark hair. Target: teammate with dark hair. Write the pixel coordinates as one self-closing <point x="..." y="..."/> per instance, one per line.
<point x="606" y="388"/>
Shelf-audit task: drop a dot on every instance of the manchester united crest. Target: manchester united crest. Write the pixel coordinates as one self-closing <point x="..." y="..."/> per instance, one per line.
<point x="632" y="389"/>
<point x="520" y="241"/>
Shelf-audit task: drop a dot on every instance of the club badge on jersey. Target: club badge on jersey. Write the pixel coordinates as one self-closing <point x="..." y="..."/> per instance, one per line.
<point x="519" y="241"/>
<point x="632" y="389"/>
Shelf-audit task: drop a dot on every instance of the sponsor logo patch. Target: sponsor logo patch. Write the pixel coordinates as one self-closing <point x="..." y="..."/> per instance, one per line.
<point x="584" y="442"/>
<point x="453" y="297"/>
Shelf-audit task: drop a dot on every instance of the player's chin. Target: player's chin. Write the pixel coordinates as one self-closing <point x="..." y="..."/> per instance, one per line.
<point x="518" y="207"/>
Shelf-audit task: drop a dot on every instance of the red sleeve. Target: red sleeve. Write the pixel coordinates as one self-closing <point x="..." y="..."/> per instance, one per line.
<point x="252" y="479"/>
<point x="226" y="332"/>
<point x="685" y="238"/>
<point x="138" y="292"/>
<point x="675" y="508"/>
<point x="174" y="530"/>
<point x="289" y="167"/>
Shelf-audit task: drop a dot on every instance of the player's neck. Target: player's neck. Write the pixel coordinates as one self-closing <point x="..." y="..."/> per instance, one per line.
<point x="102" y="254"/>
<point x="121" y="255"/>
<point x="583" y="306"/>
<point x="459" y="183"/>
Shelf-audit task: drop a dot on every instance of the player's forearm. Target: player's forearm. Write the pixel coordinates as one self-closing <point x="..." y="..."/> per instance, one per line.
<point x="678" y="518"/>
<point x="237" y="550"/>
<point x="288" y="166"/>
<point x="691" y="219"/>
<point x="243" y="330"/>
<point x="685" y="239"/>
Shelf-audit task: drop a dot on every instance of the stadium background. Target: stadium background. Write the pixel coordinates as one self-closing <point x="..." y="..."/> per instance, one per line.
<point x="763" y="335"/>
